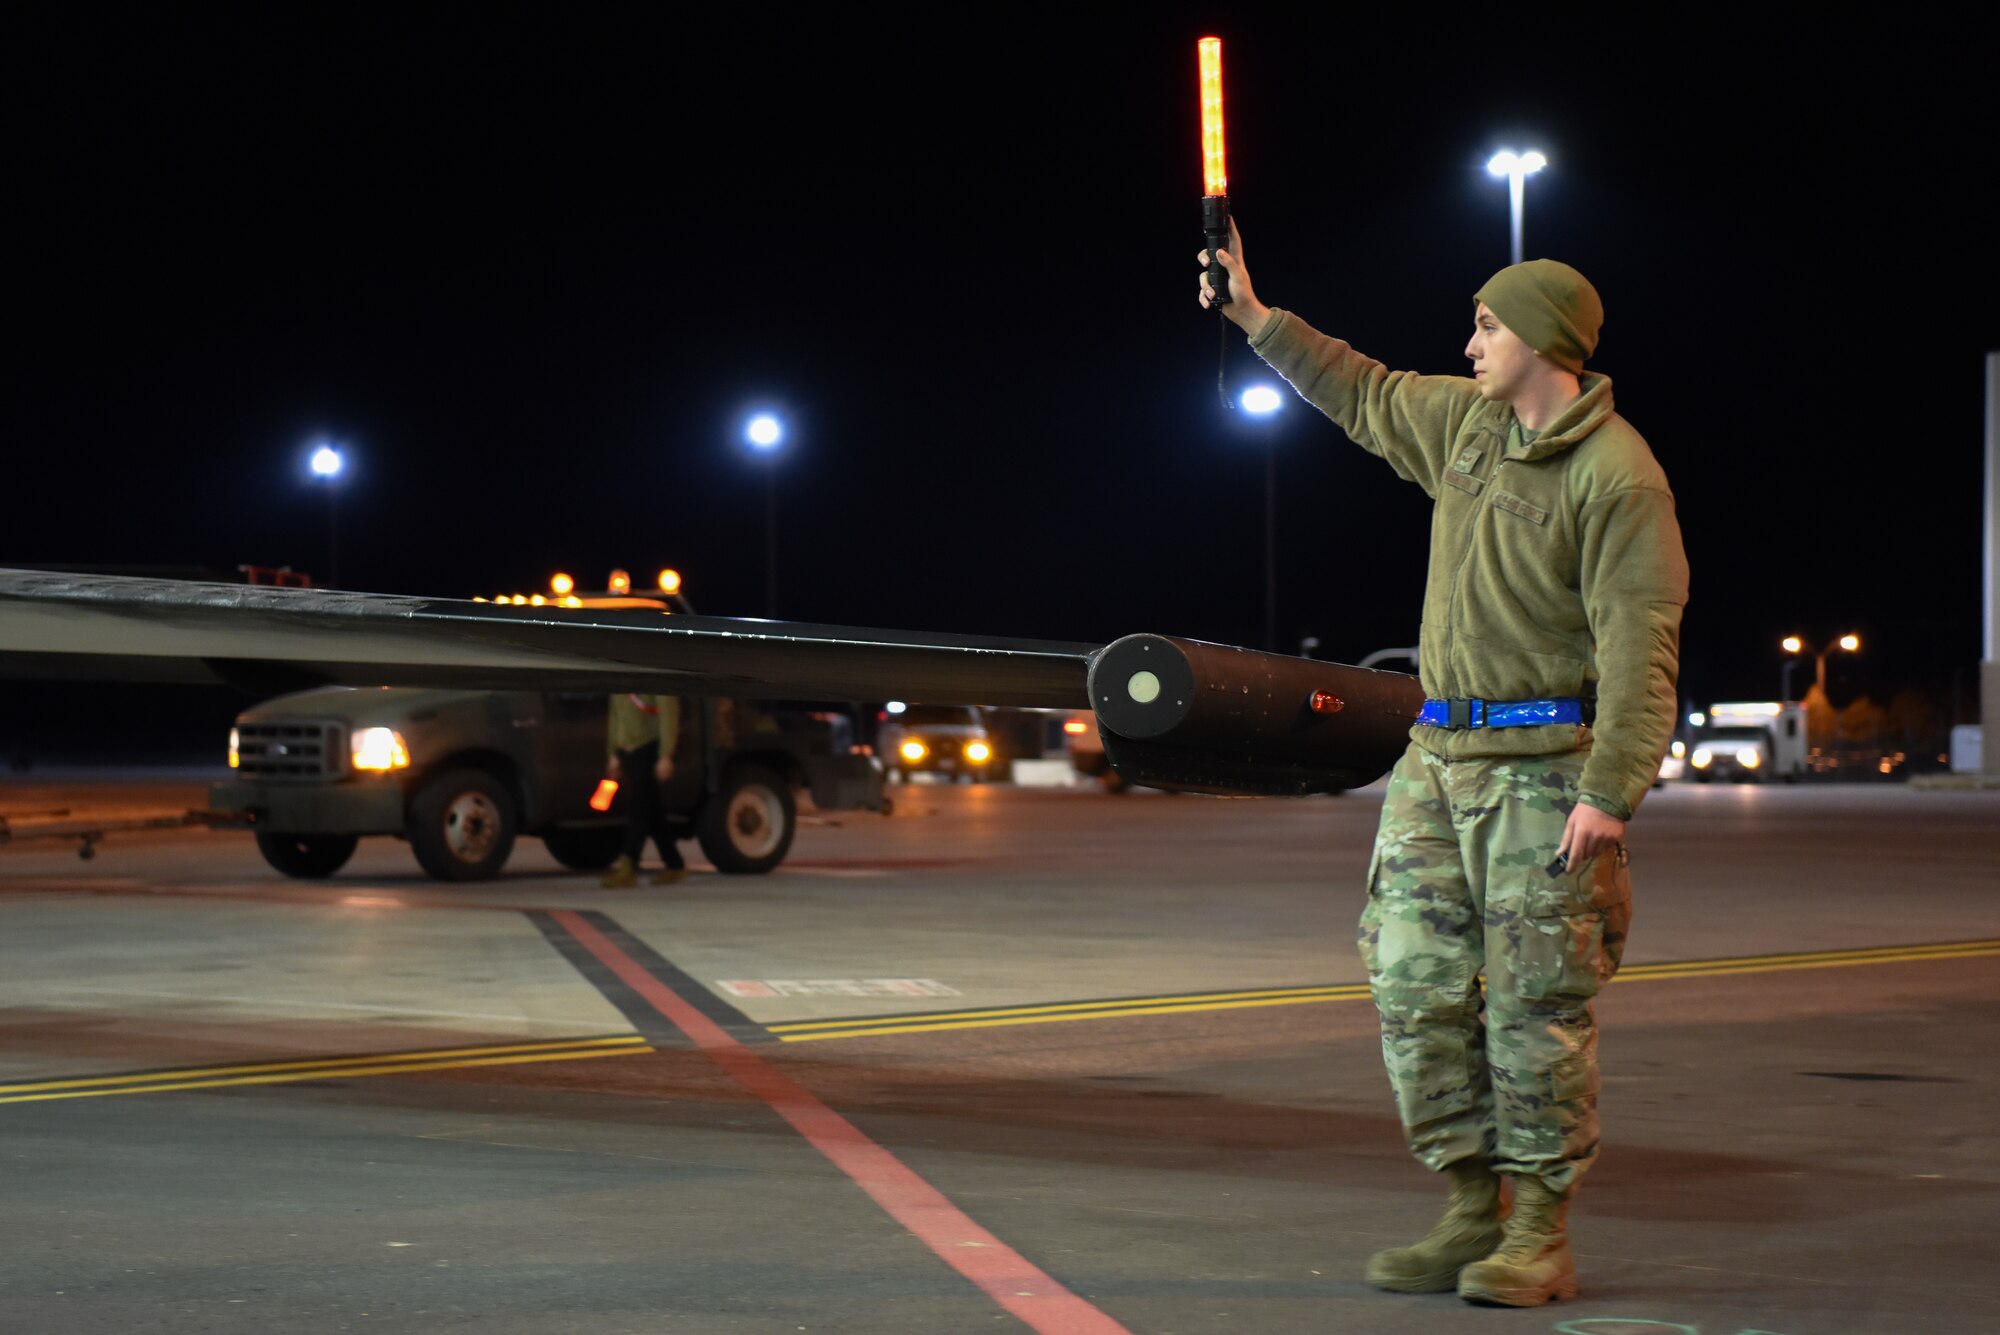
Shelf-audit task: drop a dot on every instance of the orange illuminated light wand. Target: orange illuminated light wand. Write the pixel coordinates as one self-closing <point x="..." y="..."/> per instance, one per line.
<point x="1214" y="171"/>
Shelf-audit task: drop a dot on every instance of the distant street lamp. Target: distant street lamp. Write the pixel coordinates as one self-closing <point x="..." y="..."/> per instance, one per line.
<point x="1264" y="401"/>
<point x="766" y="434"/>
<point x="1797" y="647"/>
<point x="327" y="463"/>
<point x="1516" y="167"/>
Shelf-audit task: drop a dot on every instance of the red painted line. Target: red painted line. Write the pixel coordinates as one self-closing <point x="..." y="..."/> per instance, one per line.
<point x="1003" y="1274"/>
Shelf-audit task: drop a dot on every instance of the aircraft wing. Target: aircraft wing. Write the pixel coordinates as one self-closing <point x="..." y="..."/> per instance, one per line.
<point x="63" y="626"/>
<point x="1174" y="713"/>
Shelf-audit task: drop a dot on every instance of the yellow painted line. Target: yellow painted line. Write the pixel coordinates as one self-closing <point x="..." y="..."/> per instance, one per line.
<point x="1064" y="1007"/>
<point x="915" y="1025"/>
<point x="280" y="1077"/>
<point x="1720" y="968"/>
<point x="302" y="1069"/>
<point x="1856" y="955"/>
<point x="939" y="1022"/>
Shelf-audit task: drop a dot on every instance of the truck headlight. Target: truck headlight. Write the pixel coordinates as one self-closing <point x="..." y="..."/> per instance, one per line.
<point x="1748" y="758"/>
<point x="978" y="752"/>
<point x="914" y="750"/>
<point x="1703" y="757"/>
<point x="380" y="749"/>
<point x="235" y="749"/>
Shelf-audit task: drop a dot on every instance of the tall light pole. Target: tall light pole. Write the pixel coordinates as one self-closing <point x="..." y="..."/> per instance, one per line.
<point x="765" y="434"/>
<point x="1989" y="666"/>
<point x="1797" y="647"/>
<point x="1516" y="167"/>
<point x="326" y="464"/>
<point x="1263" y="401"/>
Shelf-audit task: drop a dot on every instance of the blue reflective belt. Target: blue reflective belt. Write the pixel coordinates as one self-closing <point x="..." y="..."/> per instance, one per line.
<point x="1499" y="713"/>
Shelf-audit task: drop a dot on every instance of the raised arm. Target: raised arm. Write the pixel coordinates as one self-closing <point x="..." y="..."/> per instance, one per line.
<point x="1410" y="420"/>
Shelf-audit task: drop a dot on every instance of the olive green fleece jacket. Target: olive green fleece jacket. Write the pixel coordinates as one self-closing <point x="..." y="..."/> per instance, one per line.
<point x="632" y="727"/>
<point x="1556" y="563"/>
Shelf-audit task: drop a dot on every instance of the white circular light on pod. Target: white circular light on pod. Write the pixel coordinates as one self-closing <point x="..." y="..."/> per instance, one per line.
<point x="1143" y="687"/>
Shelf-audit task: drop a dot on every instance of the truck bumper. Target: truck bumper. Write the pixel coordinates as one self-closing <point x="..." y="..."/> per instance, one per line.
<point x="365" y="807"/>
<point x="844" y="782"/>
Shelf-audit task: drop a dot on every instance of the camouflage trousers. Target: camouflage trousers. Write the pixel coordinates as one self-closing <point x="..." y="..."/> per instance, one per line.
<point x="1460" y="891"/>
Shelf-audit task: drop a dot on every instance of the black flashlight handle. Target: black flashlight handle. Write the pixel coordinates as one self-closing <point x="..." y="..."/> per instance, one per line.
<point x="1215" y="227"/>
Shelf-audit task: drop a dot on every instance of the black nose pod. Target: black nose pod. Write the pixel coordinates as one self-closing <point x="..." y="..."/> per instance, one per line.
<point x="1201" y="717"/>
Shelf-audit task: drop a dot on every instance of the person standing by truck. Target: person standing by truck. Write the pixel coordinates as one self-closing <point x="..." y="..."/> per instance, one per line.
<point x="1550" y="644"/>
<point x="643" y="731"/>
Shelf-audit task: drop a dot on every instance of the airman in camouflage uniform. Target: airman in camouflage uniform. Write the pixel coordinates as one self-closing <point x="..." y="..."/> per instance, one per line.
<point x="1498" y="899"/>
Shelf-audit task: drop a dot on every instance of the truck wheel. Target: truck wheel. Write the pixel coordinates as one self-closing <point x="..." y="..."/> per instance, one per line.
<point x="309" y="857"/>
<point x="747" y="827"/>
<point x="462" y="826"/>
<point x="590" y="848"/>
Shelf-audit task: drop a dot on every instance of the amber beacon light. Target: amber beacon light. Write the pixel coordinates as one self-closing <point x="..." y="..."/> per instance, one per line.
<point x="1214" y="169"/>
<point x="607" y="790"/>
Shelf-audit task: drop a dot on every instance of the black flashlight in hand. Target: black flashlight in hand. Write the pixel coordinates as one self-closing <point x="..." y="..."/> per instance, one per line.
<point x="1214" y="171"/>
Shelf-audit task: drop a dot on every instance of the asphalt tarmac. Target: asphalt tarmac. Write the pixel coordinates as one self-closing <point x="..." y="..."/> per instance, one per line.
<point x="1009" y="1059"/>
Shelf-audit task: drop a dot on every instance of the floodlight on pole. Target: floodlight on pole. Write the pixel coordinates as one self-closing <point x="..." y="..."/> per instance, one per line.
<point x="1516" y="167"/>
<point x="326" y="464"/>
<point x="766" y="433"/>
<point x="1799" y="649"/>
<point x="1262" y="401"/>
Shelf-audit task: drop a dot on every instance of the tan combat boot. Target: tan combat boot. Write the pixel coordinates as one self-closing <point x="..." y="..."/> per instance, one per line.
<point x="1532" y="1265"/>
<point x="1469" y="1230"/>
<point x="669" y="876"/>
<point x="623" y="873"/>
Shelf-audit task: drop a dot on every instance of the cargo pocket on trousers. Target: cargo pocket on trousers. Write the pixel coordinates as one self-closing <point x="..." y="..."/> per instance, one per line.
<point x="1560" y="957"/>
<point x="1573" y="1078"/>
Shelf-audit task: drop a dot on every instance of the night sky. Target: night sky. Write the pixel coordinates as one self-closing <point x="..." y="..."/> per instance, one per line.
<point x="534" y="265"/>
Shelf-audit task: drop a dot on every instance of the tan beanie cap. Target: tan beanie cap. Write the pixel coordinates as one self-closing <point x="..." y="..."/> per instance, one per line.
<point x="1550" y="307"/>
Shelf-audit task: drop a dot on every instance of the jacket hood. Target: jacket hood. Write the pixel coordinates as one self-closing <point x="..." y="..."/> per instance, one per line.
<point x="1588" y="413"/>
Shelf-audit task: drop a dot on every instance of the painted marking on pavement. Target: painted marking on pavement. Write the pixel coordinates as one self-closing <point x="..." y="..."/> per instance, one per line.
<point x="295" y="896"/>
<point x="634" y="1004"/>
<point x="808" y="1031"/>
<point x="1003" y="1274"/>
<point x="1811" y="959"/>
<point x="44" y="990"/>
<point x="321" y="1068"/>
<point x="836" y="987"/>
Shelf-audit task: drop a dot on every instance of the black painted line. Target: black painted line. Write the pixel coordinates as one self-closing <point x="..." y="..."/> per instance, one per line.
<point x="644" y="1016"/>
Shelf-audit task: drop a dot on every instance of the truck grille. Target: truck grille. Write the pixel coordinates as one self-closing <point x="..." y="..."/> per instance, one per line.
<point x="291" y="750"/>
